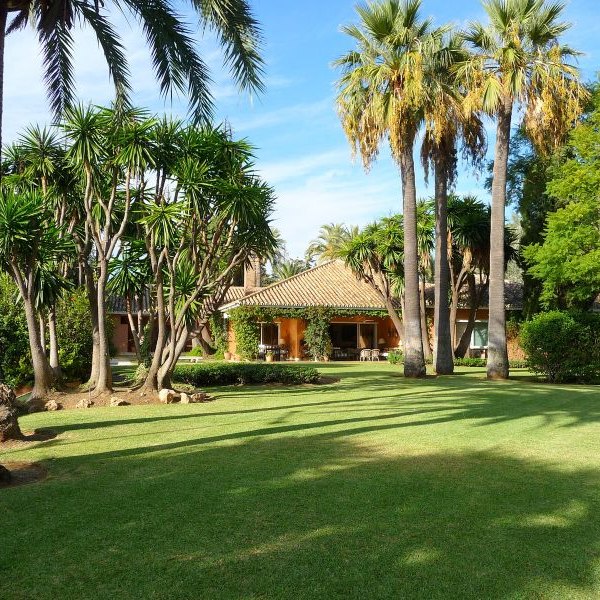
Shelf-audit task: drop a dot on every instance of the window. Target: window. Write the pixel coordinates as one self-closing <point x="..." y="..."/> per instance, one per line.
<point x="479" y="339"/>
<point x="269" y="334"/>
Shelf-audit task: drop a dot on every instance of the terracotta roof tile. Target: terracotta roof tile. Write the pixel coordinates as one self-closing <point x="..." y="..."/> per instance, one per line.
<point x="331" y="285"/>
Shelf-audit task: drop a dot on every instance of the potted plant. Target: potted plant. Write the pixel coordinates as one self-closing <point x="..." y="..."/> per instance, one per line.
<point x="269" y="356"/>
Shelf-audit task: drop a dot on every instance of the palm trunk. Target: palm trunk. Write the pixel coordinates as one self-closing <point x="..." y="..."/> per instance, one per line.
<point x="3" y="18"/>
<point x="414" y="361"/>
<point x="443" y="361"/>
<point x="53" y="339"/>
<point x="424" y="329"/>
<point x="497" y="362"/>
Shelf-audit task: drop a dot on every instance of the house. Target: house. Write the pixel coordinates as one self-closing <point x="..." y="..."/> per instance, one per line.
<point x="358" y="316"/>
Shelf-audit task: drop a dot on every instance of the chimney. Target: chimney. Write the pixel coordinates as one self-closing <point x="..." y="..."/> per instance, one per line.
<point x="252" y="274"/>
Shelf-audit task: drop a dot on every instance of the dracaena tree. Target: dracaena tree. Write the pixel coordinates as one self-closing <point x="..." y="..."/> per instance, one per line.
<point x="376" y="256"/>
<point x="30" y="246"/>
<point x="111" y="152"/>
<point x="207" y="215"/>
<point x="176" y="60"/>
<point x="518" y="60"/>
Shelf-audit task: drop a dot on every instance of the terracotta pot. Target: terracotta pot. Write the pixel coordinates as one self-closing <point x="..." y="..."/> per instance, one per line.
<point x="227" y="355"/>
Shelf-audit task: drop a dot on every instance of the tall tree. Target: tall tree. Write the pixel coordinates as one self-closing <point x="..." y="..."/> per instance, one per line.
<point x="447" y="124"/>
<point x="518" y="60"/>
<point x="382" y="93"/>
<point x="29" y="241"/>
<point x="177" y="63"/>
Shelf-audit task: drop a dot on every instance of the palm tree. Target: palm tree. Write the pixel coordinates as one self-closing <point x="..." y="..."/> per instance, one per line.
<point x="175" y="58"/>
<point x="288" y="267"/>
<point x="518" y="60"/>
<point x="382" y="93"/>
<point x="446" y="124"/>
<point x="332" y="237"/>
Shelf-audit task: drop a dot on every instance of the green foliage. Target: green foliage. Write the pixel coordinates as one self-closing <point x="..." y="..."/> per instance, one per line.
<point x="15" y="361"/>
<point x="74" y="332"/>
<point x="316" y="334"/>
<point x="244" y="373"/>
<point x="246" y="330"/>
<point x="395" y="357"/>
<point x="563" y="346"/>
<point x="566" y="260"/>
<point x="218" y="330"/>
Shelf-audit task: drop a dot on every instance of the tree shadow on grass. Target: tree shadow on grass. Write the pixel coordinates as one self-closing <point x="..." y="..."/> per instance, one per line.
<point x="317" y="516"/>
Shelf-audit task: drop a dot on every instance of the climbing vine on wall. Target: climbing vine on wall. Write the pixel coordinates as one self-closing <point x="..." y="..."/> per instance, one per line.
<point x="245" y="322"/>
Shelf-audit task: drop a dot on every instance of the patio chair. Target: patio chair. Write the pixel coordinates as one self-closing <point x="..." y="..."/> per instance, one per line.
<point x="365" y="354"/>
<point x="375" y="354"/>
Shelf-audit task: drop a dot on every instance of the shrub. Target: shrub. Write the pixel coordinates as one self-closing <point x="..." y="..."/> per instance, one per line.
<point x="316" y="334"/>
<point x="244" y="373"/>
<point x="562" y="346"/>
<point x="74" y="332"/>
<point x="470" y="362"/>
<point x="15" y="361"/>
<point x="395" y="357"/>
<point x="246" y="330"/>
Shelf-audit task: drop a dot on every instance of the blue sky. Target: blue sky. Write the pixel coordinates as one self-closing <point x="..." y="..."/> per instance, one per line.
<point x="301" y="149"/>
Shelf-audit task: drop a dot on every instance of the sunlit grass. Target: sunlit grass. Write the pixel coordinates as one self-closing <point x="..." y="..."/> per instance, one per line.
<point x="373" y="487"/>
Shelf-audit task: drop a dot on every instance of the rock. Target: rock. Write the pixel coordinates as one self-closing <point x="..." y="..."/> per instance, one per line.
<point x="9" y="425"/>
<point x="184" y="398"/>
<point x="5" y="476"/>
<point x="84" y="403"/>
<point x="52" y="405"/>
<point x="114" y="401"/>
<point x="167" y="396"/>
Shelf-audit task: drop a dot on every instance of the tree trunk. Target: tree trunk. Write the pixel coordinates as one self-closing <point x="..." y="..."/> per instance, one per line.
<point x="151" y="382"/>
<point x="414" y="361"/>
<point x="424" y="329"/>
<point x="104" y="382"/>
<point x="92" y="296"/>
<point x="3" y="17"/>
<point x="462" y="347"/>
<point x="42" y="326"/>
<point x="53" y="338"/>
<point x="43" y="375"/>
<point x="497" y="362"/>
<point x="395" y="317"/>
<point x="443" y="361"/>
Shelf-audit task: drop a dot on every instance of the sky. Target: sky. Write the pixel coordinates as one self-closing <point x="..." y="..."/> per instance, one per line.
<point x="301" y="149"/>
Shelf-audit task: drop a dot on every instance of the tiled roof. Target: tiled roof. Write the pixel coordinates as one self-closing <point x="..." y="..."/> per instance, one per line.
<point x="331" y="285"/>
<point x="235" y="292"/>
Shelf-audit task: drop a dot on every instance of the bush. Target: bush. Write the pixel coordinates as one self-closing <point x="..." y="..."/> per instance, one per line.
<point x="395" y="357"/>
<point x="244" y="373"/>
<point x="470" y="362"/>
<point x="316" y="334"/>
<point x="563" y="346"/>
<point x="74" y="332"/>
<point x="15" y="358"/>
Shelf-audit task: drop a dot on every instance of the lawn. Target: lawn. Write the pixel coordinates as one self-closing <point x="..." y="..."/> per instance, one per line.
<point x="372" y="487"/>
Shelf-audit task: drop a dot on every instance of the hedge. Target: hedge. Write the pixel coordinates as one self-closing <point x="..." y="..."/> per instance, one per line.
<point x="205" y="374"/>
